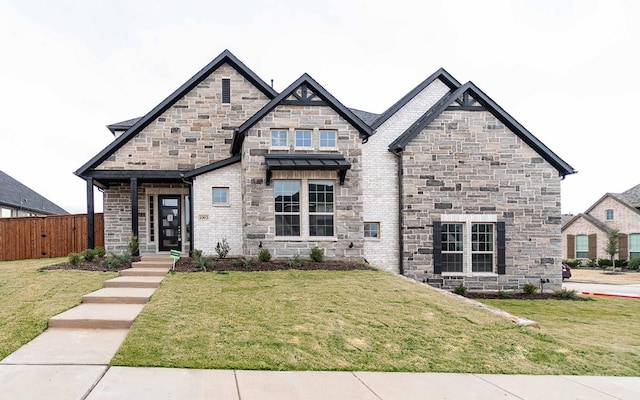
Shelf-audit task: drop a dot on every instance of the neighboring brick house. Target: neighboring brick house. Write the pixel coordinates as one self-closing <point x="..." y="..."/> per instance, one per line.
<point x="444" y="186"/>
<point x="585" y="235"/>
<point x="18" y="200"/>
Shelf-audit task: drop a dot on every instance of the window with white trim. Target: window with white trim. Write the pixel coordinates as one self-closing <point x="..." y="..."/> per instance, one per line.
<point x="279" y="139"/>
<point x="6" y="213"/>
<point x="372" y="230"/>
<point x="468" y="244"/>
<point x="303" y="139"/>
<point x="220" y="196"/>
<point x="582" y="246"/>
<point x="327" y="139"/>
<point x="634" y="245"/>
<point x="304" y="209"/>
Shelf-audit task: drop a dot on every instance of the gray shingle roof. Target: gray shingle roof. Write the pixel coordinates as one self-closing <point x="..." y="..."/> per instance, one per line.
<point x="631" y="196"/>
<point x="366" y="116"/>
<point x="17" y="195"/>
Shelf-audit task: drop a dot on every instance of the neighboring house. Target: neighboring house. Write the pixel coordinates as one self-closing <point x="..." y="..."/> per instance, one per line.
<point x="17" y="200"/>
<point x="444" y="186"/>
<point x="585" y="235"/>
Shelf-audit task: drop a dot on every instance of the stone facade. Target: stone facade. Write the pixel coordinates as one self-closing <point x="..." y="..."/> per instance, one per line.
<point x="380" y="178"/>
<point x="468" y="162"/>
<point x="259" y="219"/>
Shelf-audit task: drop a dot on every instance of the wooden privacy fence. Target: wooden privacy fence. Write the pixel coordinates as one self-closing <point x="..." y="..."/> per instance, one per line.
<point x="45" y="237"/>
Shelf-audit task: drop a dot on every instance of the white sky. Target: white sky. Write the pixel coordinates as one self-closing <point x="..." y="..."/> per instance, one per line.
<point x="566" y="70"/>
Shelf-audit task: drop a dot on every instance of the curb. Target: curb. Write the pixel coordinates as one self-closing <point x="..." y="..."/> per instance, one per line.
<point x="619" y="295"/>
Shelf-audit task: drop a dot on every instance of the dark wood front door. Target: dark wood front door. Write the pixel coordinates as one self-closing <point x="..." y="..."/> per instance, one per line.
<point x="170" y="223"/>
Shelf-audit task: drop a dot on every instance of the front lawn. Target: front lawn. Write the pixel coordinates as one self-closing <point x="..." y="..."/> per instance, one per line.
<point x="30" y="297"/>
<point x="346" y="320"/>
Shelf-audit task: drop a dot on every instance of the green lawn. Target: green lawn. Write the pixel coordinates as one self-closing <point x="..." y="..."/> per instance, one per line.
<point x="357" y="320"/>
<point x="29" y="298"/>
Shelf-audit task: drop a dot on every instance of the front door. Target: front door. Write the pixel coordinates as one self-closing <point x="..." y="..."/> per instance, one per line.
<point x="170" y="223"/>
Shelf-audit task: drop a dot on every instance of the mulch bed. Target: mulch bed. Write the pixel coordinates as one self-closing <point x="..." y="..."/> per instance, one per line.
<point x="186" y="264"/>
<point x="521" y="296"/>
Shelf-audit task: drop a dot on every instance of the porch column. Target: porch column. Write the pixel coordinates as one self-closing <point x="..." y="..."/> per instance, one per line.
<point x="91" y="243"/>
<point x="134" y="206"/>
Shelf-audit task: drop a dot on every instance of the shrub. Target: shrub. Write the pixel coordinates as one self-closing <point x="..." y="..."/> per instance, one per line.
<point x="460" y="290"/>
<point x="115" y="260"/>
<point x="244" y="262"/>
<point x="264" y="255"/>
<point x="566" y="294"/>
<point x="100" y="252"/>
<point x="222" y="249"/>
<point x="134" y="245"/>
<point x="202" y="263"/>
<point x="89" y="254"/>
<point x="592" y="263"/>
<point x="317" y="254"/>
<point x="74" y="258"/>
<point x="295" y="262"/>
<point x="529" y="289"/>
<point x="634" y="263"/>
<point x="196" y="253"/>
<point x="504" y="294"/>
<point x="603" y="262"/>
<point x="573" y="263"/>
<point x="622" y="263"/>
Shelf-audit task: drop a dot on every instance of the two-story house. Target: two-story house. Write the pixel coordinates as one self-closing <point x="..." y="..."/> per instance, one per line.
<point x="444" y="186"/>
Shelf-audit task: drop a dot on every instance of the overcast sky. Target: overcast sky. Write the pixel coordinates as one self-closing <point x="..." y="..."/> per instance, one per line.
<point x="566" y="70"/>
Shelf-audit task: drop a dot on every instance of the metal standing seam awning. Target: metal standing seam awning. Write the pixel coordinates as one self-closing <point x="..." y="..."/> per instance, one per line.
<point x="322" y="162"/>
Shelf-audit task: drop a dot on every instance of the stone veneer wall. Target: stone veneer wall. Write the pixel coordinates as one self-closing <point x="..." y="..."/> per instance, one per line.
<point x="468" y="162"/>
<point x="583" y="227"/>
<point x="380" y="178"/>
<point x="214" y="223"/>
<point x="259" y="221"/>
<point x="196" y="131"/>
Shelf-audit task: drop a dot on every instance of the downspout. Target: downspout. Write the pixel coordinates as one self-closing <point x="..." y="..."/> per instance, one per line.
<point x="400" y="213"/>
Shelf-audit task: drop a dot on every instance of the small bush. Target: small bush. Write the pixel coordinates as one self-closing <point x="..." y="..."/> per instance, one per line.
<point x="203" y="263"/>
<point x="529" y="289"/>
<point x="604" y="262"/>
<point x="244" y="262"/>
<point x="573" y="263"/>
<point x="317" y="254"/>
<point x="100" y="252"/>
<point x="622" y="263"/>
<point x="634" y="263"/>
<point x="566" y="294"/>
<point x="134" y="245"/>
<point x="295" y="262"/>
<point x="264" y="255"/>
<point x="592" y="263"/>
<point x="504" y="294"/>
<point x="196" y="253"/>
<point x="115" y="260"/>
<point x="89" y="254"/>
<point x="75" y="258"/>
<point x="222" y="248"/>
<point x="460" y="289"/>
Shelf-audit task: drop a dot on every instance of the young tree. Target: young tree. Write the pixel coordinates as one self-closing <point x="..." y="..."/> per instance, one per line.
<point x="613" y="246"/>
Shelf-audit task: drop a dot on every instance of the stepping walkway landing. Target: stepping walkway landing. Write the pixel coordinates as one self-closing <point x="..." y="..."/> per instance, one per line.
<point x="92" y="332"/>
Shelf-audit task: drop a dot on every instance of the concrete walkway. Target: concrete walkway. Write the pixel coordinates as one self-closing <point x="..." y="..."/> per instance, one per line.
<point x="70" y="360"/>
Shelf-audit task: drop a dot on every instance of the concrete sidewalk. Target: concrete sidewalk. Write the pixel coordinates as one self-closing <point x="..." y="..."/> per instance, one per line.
<point x="100" y="382"/>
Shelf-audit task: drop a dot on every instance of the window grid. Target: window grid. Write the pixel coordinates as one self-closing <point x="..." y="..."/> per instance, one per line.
<point x="287" y="208"/>
<point x="278" y="138"/>
<point x="328" y="139"/>
<point x="452" y="247"/>
<point x="152" y="228"/>
<point x="482" y="247"/>
<point x="220" y="195"/>
<point x="372" y="230"/>
<point x="303" y="138"/>
<point x="634" y="245"/>
<point x="609" y="215"/>
<point x="321" y="209"/>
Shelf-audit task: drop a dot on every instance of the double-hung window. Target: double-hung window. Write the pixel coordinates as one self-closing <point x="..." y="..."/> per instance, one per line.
<point x="634" y="245"/>
<point x="287" y="208"/>
<point x="468" y="244"/>
<point x="609" y="215"/>
<point x="582" y="246"/>
<point x="303" y="139"/>
<point x="304" y="208"/>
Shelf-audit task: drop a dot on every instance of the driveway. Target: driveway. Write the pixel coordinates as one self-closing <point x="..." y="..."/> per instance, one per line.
<point x="596" y="281"/>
